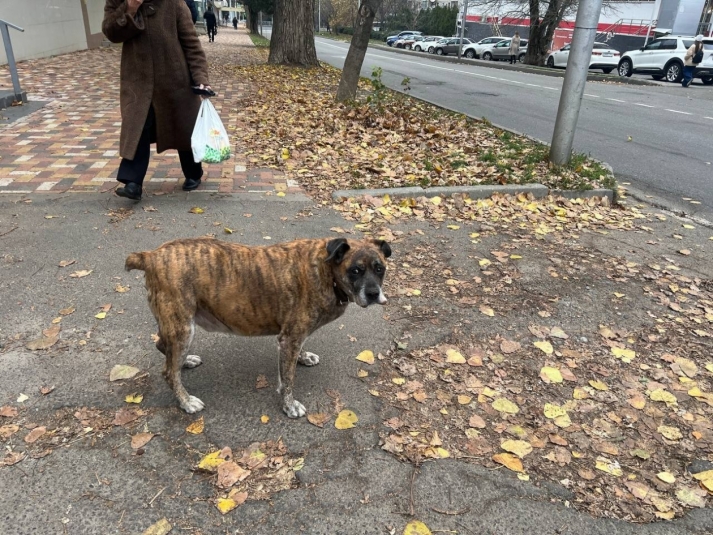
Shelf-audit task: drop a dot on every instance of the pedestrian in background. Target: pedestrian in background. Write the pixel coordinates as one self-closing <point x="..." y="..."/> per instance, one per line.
<point x="514" y="50"/>
<point x="161" y="58"/>
<point x="235" y="22"/>
<point x="194" y="10"/>
<point x="211" y="23"/>
<point x="694" y="55"/>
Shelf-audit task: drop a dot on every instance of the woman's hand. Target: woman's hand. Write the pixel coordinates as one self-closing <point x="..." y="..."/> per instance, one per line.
<point x="132" y="6"/>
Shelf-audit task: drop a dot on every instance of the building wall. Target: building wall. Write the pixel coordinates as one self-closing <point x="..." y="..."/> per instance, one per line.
<point x="51" y="26"/>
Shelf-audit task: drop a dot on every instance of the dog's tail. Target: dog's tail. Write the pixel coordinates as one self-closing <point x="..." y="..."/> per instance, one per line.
<point x="136" y="261"/>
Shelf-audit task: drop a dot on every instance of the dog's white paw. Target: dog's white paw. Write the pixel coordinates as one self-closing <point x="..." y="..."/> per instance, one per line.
<point x="193" y="405"/>
<point x="294" y="409"/>
<point x="308" y="359"/>
<point x="192" y="361"/>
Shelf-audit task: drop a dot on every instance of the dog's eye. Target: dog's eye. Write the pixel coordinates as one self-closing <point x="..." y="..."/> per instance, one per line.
<point x="379" y="269"/>
<point x="356" y="271"/>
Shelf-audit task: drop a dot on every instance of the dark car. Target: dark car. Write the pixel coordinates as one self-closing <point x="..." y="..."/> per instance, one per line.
<point x="449" y="46"/>
<point x="390" y="40"/>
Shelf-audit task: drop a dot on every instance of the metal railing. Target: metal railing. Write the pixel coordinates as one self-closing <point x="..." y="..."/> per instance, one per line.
<point x="4" y="29"/>
<point x="642" y="26"/>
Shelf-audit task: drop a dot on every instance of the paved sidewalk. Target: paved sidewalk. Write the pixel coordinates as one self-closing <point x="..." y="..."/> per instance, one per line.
<point x="71" y="144"/>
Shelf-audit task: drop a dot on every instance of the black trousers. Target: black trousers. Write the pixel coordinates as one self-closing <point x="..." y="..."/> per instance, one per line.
<point x="135" y="170"/>
<point x="212" y="31"/>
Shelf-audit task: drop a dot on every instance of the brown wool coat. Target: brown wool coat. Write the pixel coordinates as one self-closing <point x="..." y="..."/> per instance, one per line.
<point x="161" y="59"/>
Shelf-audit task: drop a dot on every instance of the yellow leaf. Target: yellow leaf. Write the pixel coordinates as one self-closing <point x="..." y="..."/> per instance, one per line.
<point x="100" y="316"/>
<point x="563" y="421"/>
<point x="280" y="193"/>
<point x="454" y="357"/>
<point x="709" y="367"/>
<point x="666" y="477"/>
<point x="366" y="356"/>
<point x="626" y="355"/>
<point x="197" y="427"/>
<point x="704" y="476"/>
<point x="518" y="447"/>
<point x="464" y="400"/>
<point x="579" y="394"/>
<point x="617" y="294"/>
<point x="162" y="527"/>
<point x="225" y="505"/>
<point x="285" y="153"/>
<point x="362" y="373"/>
<point x="436" y="200"/>
<point x="506" y="406"/>
<point x="689" y="226"/>
<point x="134" y="398"/>
<point x="663" y="395"/>
<point x="264" y="418"/>
<point x="211" y="462"/>
<point x="510" y="461"/>
<point x="544" y="346"/>
<point x="346" y="420"/>
<point x="228" y="230"/>
<point x="671" y="433"/>
<point x="515" y="257"/>
<point x="595" y="383"/>
<point x="610" y="467"/>
<point x="196" y="210"/>
<point x="484" y="262"/>
<point x="487" y="311"/>
<point x="386" y="198"/>
<point x="551" y="375"/>
<point x="437" y="453"/>
<point x="554" y="411"/>
<point x="523" y="477"/>
<point x="416" y="527"/>
<point x="398" y="380"/>
<point x="454" y="227"/>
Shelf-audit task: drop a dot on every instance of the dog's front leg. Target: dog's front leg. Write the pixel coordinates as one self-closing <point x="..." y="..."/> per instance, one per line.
<point x="289" y="347"/>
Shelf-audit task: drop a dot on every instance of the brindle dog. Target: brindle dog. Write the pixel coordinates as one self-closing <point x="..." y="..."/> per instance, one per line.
<point x="289" y="290"/>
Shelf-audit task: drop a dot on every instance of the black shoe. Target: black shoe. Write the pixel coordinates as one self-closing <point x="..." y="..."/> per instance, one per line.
<point x="191" y="183"/>
<point x="131" y="190"/>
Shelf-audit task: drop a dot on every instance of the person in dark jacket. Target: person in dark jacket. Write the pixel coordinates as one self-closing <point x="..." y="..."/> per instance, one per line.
<point x="161" y="58"/>
<point x="194" y="10"/>
<point x="235" y="22"/>
<point x="211" y="23"/>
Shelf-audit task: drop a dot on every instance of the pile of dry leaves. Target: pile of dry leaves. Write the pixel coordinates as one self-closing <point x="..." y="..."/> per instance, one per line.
<point x="385" y="139"/>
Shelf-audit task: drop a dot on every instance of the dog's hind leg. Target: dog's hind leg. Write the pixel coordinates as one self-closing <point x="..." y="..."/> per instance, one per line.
<point x="177" y="345"/>
<point x="289" y="354"/>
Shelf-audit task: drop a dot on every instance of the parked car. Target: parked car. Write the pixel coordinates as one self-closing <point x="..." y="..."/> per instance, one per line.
<point x="407" y="42"/>
<point x="501" y="50"/>
<point x="704" y="71"/>
<point x="603" y="57"/>
<point x="661" y="58"/>
<point x="427" y="42"/>
<point x="393" y="38"/>
<point x="474" y="50"/>
<point x="449" y="46"/>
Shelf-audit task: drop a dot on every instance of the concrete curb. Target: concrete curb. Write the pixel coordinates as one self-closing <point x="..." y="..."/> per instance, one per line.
<point x="531" y="69"/>
<point x="8" y="97"/>
<point x="474" y="192"/>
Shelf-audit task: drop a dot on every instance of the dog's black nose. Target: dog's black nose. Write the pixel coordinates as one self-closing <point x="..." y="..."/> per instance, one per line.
<point x="372" y="294"/>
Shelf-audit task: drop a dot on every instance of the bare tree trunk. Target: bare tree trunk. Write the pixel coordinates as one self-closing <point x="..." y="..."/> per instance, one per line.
<point x="251" y="20"/>
<point x="292" y="41"/>
<point x="357" y="50"/>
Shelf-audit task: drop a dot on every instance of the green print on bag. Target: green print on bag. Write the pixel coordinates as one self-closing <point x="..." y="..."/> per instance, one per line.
<point x="210" y="142"/>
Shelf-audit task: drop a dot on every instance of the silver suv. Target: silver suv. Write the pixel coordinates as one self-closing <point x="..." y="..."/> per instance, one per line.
<point x="661" y="58"/>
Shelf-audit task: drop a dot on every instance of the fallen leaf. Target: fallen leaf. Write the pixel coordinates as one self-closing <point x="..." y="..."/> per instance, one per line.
<point x="34" y="435"/>
<point x="454" y="357"/>
<point x="52" y="331"/>
<point x="666" y="477"/>
<point x="553" y="411"/>
<point x="44" y="390"/>
<point x="610" y="467"/>
<point x="665" y="396"/>
<point x="508" y="346"/>
<point x="12" y="457"/>
<point x="126" y="415"/>
<point x="506" y="406"/>
<point x="366" y="356"/>
<point x="477" y="422"/>
<point x="264" y="418"/>
<point x="196" y="427"/>
<point x="121" y="289"/>
<point x="122" y="371"/>
<point x="637" y="401"/>
<point x="66" y="311"/>
<point x="518" y="447"/>
<point x="6" y="431"/>
<point x="228" y="230"/>
<point x="81" y="273"/>
<point x="598" y="385"/>
<point x="140" y="440"/>
<point x="362" y="373"/>
<point x="550" y="375"/>
<point x="229" y="473"/>
<point x="464" y="400"/>
<point x="318" y="419"/>
<point x="416" y="527"/>
<point x="22" y="398"/>
<point x="42" y="343"/>
<point x="212" y="461"/>
<point x="134" y="398"/>
<point x="346" y="419"/>
<point x="65" y="263"/>
<point x="671" y="433"/>
<point x="101" y="316"/>
<point x="196" y="210"/>
<point x="626" y="355"/>
<point x="510" y="461"/>
<point x="693" y="497"/>
<point x="487" y="311"/>
<point x="544" y="346"/>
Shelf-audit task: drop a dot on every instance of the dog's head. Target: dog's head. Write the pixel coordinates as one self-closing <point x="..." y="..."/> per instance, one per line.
<point x="359" y="268"/>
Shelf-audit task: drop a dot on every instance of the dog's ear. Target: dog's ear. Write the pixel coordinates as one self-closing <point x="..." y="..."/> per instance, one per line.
<point x="385" y="247"/>
<point x="336" y="250"/>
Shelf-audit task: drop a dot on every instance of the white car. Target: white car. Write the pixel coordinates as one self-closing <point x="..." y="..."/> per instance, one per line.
<point x="661" y="58"/>
<point x="704" y="70"/>
<point x="604" y="57"/>
<point x="474" y="50"/>
<point x="428" y="43"/>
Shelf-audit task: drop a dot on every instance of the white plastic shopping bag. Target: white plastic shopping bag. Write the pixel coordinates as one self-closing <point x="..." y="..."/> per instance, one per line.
<point x="210" y="141"/>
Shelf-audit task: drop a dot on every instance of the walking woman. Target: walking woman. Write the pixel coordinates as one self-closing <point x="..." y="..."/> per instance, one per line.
<point x="514" y="50"/>
<point x="161" y="59"/>
<point x="694" y="55"/>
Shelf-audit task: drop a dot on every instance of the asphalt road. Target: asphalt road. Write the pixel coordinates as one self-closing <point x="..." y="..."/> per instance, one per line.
<point x="668" y="158"/>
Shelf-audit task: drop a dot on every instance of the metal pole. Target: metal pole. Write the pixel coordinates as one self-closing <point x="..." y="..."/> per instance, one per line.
<point x="259" y="16"/>
<point x="651" y="22"/>
<point x="462" y="27"/>
<point x="319" y="16"/>
<point x="11" y="58"/>
<point x="575" y="78"/>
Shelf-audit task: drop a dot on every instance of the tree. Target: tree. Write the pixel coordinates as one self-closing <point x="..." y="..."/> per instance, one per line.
<point x="253" y="8"/>
<point x="545" y="16"/>
<point x="292" y="41"/>
<point x="349" y="81"/>
<point x="437" y="21"/>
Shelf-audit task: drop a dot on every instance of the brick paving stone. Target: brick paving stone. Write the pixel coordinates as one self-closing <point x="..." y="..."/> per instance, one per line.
<point x="72" y="143"/>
